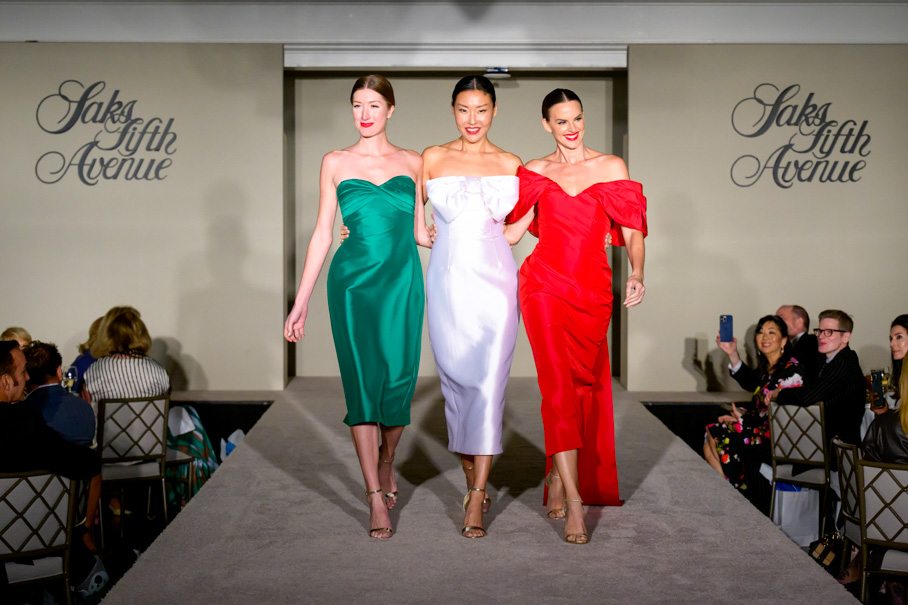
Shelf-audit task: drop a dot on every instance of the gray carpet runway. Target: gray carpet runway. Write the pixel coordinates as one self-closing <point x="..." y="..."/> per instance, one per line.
<point x="284" y="521"/>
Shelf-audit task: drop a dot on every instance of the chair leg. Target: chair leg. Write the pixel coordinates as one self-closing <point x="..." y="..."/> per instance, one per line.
<point x="164" y="500"/>
<point x="772" y="502"/>
<point x="824" y="502"/>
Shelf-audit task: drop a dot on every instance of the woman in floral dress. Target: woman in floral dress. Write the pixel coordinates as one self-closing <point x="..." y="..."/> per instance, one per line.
<point x="742" y="437"/>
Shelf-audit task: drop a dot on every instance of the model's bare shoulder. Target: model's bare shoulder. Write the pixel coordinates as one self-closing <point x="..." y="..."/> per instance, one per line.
<point x="612" y="167"/>
<point x="332" y="160"/>
<point x="538" y="165"/>
<point x="512" y="161"/>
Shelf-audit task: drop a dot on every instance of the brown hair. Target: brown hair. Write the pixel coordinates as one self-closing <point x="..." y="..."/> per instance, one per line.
<point x="377" y="83"/>
<point x="6" y="357"/>
<point x="903" y="395"/>
<point x="559" y="95"/>
<point x="121" y="331"/>
<point x="843" y="319"/>
<point x="42" y="359"/>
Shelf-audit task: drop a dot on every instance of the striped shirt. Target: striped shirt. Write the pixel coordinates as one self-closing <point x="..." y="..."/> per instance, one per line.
<point x="120" y="377"/>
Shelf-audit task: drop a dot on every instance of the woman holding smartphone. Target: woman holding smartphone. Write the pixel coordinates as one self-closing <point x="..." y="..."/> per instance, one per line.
<point x="574" y="200"/>
<point x="375" y="286"/>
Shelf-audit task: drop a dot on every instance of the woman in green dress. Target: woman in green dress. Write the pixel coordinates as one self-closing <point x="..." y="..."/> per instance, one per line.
<point x="375" y="286"/>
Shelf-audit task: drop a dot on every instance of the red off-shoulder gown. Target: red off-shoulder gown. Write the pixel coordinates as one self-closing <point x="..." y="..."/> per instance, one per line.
<point x="566" y="303"/>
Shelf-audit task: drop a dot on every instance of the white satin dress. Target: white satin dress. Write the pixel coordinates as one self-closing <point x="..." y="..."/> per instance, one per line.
<point x="471" y="300"/>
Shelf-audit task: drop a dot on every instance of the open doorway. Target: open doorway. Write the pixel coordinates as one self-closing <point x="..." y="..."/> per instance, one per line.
<point x="318" y="120"/>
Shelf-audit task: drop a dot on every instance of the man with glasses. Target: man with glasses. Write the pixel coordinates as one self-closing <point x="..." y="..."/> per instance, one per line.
<point x="839" y="383"/>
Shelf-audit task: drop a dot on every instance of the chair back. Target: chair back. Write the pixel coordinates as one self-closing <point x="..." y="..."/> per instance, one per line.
<point x="847" y="457"/>
<point x="36" y="510"/>
<point x="133" y="429"/>
<point x="798" y="435"/>
<point x="884" y="500"/>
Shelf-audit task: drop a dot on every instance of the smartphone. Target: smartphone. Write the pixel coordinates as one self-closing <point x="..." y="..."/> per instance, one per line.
<point x="726" y="332"/>
<point x="876" y="386"/>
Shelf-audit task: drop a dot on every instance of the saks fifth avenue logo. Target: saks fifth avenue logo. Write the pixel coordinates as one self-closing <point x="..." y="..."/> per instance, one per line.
<point x="816" y="147"/>
<point x="121" y="145"/>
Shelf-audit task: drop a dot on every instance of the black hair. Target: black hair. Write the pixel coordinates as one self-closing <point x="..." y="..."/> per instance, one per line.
<point x="480" y="83"/>
<point x="783" y="332"/>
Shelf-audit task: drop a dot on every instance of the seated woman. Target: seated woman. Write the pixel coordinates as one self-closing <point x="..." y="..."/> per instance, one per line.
<point x="84" y="359"/>
<point x="741" y="438"/>
<point x="886" y="441"/>
<point x="20" y="335"/>
<point x="123" y="367"/>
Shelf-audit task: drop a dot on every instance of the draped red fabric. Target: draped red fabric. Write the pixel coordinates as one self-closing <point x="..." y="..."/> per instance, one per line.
<point x="566" y="304"/>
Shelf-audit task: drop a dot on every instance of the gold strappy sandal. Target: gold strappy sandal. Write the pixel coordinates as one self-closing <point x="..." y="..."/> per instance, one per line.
<point x="466" y="528"/>
<point x="378" y="529"/>
<point x="486" y="502"/>
<point x="392" y="496"/>
<point x="578" y="538"/>
<point x="553" y="512"/>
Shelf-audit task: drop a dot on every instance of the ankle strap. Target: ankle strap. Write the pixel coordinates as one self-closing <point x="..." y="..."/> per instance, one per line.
<point x="569" y="500"/>
<point x="373" y="492"/>
<point x="476" y="489"/>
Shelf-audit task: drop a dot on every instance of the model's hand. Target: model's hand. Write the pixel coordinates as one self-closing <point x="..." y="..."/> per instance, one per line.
<point x="608" y="240"/>
<point x="345" y="233"/>
<point x="433" y="228"/>
<point x="296" y="321"/>
<point x="635" y="291"/>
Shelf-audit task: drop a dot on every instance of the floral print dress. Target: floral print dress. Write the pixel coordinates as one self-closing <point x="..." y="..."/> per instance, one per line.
<point x="752" y="429"/>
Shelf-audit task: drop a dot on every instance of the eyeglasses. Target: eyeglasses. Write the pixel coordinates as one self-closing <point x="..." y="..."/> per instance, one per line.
<point x="827" y="332"/>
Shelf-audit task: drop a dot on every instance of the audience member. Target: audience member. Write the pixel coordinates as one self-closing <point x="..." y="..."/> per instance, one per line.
<point x="20" y="335"/>
<point x="26" y="442"/>
<point x="839" y="384"/>
<point x="84" y="358"/>
<point x="804" y="346"/>
<point x="886" y="441"/>
<point x="898" y="345"/>
<point x="739" y="442"/>
<point x="69" y="415"/>
<point x="123" y="367"/>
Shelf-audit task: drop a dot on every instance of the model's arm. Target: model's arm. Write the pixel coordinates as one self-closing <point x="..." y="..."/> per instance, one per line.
<point x="318" y="249"/>
<point x="420" y="231"/>
<point x="515" y="231"/>
<point x="636" y="252"/>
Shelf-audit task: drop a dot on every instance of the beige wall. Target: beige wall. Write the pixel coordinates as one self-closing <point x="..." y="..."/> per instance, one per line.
<point x="199" y="253"/>
<point x="715" y="247"/>
<point x="422" y="118"/>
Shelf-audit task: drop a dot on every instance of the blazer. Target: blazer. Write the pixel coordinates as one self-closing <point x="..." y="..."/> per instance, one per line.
<point x="72" y="417"/>
<point x="840" y="386"/>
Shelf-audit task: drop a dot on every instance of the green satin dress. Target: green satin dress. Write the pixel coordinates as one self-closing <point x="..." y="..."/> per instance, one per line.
<point x="376" y="300"/>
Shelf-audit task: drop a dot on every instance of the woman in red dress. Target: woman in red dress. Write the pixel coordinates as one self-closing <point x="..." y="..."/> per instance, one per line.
<point x="576" y="201"/>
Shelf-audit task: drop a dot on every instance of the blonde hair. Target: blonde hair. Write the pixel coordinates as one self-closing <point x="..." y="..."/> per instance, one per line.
<point x="17" y="334"/>
<point x="92" y="334"/>
<point x="121" y="331"/>
<point x="903" y="395"/>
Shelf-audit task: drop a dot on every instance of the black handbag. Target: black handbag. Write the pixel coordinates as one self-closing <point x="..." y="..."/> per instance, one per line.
<point x="827" y="551"/>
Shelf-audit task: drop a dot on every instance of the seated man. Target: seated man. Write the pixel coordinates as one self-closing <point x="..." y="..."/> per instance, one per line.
<point x="69" y="415"/>
<point x="26" y="442"/>
<point x="839" y="384"/>
<point x="804" y="346"/>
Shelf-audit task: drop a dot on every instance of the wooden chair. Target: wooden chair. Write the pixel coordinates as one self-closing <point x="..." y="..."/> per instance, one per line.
<point x="132" y="441"/>
<point x="798" y="436"/>
<point x="36" y="521"/>
<point x="883" y="505"/>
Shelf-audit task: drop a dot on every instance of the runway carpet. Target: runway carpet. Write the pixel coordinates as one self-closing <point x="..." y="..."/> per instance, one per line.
<point x="284" y="521"/>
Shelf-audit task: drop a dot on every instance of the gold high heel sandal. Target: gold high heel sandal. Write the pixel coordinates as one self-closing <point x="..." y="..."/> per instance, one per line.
<point x="578" y="538"/>
<point x="378" y="529"/>
<point x="392" y="496"/>
<point x="486" y="502"/>
<point x="466" y="528"/>
<point x="553" y="512"/>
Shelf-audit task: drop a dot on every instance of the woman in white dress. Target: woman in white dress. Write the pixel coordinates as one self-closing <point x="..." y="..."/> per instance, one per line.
<point x="471" y="286"/>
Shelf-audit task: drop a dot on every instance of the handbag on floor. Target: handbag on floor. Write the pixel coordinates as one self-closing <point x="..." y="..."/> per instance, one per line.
<point x="828" y="551"/>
